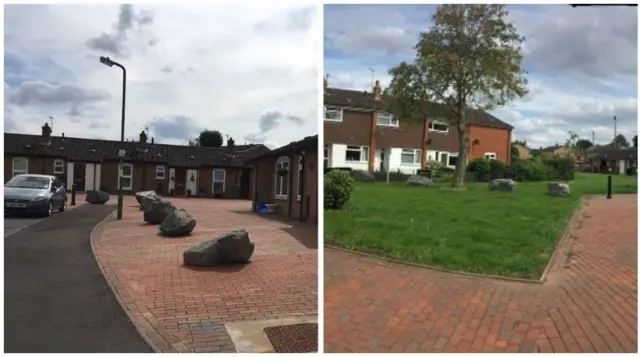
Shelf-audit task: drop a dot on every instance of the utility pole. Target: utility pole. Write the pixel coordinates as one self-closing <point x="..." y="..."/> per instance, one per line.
<point x="593" y="137"/>
<point x="373" y="74"/>
<point x="51" y="118"/>
<point x="615" y="128"/>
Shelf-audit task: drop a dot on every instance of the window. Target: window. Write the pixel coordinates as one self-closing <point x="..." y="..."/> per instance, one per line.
<point x="436" y="125"/>
<point x="386" y="119"/>
<point x="299" y="178"/>
<point x="453" y="159"/>
<point x="20" y="165"/>
<point x="410" y="156"/>
<point x="357" y="154"/>
<point x="160" y="172"/>
<point x="58" y="167"/>
<point x="282" y="178"/>
<point x="126" y="176"/>
<point x="332" y="114"/>
<point x="326" y="156"/>
<point x="490" y="155"/>
<point x="219" y="177"/>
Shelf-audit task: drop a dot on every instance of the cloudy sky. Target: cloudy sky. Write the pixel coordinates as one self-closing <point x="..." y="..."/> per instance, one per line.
<point x="582" y="63"/>
<point x="249" y="71"/>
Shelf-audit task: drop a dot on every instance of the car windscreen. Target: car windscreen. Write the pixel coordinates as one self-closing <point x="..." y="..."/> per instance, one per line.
<point x="28" y="182"/>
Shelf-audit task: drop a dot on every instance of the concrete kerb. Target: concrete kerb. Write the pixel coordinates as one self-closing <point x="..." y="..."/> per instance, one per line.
<point x="564" y="238"/>
<point x="97" y="229"/>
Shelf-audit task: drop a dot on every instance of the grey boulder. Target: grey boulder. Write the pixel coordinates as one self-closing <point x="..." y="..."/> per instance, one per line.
<point x="233" y="247"/>
<point x="506" y="185"/>
<point x="97" y="197"/>
<point x="177" y="223"/>
<point x="417" y="180"/>
<point x="558" y="189"/>
<point x="142" y="196"/>
<point x="156" y="209"/>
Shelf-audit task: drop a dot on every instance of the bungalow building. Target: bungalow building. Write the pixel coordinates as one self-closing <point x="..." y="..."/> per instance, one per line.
<point x="93" y="164"/>
<point x="611" y="159"/>
<point x="287" y="180"/>
<point x="360" y="133"/>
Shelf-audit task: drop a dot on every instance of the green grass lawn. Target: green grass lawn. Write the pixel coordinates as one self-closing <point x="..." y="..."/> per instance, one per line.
<point x="474" y="230"/>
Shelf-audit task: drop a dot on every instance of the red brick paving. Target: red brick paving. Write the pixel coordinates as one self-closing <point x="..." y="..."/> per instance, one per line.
<point x="183" y="309"/>
<point x="588" y="303"/>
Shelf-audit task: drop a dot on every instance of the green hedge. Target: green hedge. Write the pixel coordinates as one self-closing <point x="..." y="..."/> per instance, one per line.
<point x="535" y="169"/>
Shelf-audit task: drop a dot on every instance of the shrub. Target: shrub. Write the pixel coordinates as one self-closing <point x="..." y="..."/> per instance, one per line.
<point x="563" y="167"/>
<point x="531" y="170"/>
<point x="338" y="185"/>
<point x="480" y="168"/>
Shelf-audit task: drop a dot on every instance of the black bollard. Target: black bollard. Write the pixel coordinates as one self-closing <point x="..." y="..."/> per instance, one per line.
<point x="609" y="187"/>
<point x="73" y="194"/>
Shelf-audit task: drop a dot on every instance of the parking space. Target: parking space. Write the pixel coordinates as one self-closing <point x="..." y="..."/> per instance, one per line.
<point x="14" y="224"/>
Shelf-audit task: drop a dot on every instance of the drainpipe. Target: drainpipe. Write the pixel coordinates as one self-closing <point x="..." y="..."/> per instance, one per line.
<point x="423" y="146"/>
<point x="255" y="188"/>
<point x="302" y="175"/>
<point x="290" y="184"/>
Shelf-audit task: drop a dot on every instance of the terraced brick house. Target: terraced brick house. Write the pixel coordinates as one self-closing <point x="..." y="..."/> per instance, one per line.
<point x="361" y="134"/>
<point x="167" y="169"/>
<point x="287" y="180"/>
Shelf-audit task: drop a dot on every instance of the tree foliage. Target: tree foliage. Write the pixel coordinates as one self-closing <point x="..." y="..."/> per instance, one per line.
<point x="635" y="141"/>
<point x="620" y="141"/>
<point x="208" y="138"/>
<point x="583" y="144"/>
<point x="470" y="57"/>
<point x="515" y="153"/>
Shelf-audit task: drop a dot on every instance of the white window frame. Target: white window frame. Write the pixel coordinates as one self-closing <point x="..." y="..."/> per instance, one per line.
<point x="490" y="156"/>
<point x="451" y="154"/>
<point x="15" y="172"/>
<point x="433" y="122"/>
<point x="390" y="120"/>
<point x="335" y="110"/>
<point x="122" y="175"/>
<point x="299" y="195"/>
<point x="279" y="181"/>
<point x="58" y="166"/>
<point x="364" y="153"/>
<point x="213" y="180"/>
<point x="416" y="156"/>
<point x="161" y="172"/>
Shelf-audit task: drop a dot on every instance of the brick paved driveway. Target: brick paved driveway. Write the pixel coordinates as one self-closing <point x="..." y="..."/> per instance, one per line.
<point x="183" y="309"/>
<point x="588" y="304"/>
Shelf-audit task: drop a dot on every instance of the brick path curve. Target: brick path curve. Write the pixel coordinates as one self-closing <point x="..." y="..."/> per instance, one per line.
<point x="587" y="304"/>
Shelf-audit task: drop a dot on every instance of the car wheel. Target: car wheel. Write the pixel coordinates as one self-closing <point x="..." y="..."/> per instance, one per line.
<point x="50" y="209"/>
<point x="63" y="207"/>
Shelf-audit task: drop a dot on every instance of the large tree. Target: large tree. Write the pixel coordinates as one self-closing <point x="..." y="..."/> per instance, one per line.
<point x="583" y="144"/>
<point x="208" y="138"/>
<point x="470" y="57"/>
<point x="620" y="141"/>
<point x="635" y="141"/>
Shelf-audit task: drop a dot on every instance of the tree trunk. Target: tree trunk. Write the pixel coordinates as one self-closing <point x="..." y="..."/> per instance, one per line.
<point x="463" y="152"/>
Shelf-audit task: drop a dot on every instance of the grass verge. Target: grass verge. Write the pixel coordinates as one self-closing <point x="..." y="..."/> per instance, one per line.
<point x="474" y="230"/>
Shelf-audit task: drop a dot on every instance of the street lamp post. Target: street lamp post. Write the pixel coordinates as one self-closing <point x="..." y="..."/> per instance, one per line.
<point x="108" y="62"/>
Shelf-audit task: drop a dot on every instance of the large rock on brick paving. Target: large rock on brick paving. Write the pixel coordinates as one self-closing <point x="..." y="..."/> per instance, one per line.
<point x="506" y="185"/>
<point x="417" y="180"/>
<point x="178" y="223"/>
<point x="558" y="189"/>
<point x="142" y="196"/>
<point x="97" y="197"/>
<point x="156" y="209"/>
<point x="234" y="247"/>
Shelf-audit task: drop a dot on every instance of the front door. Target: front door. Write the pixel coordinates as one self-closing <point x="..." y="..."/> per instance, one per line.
<point x="245" y="184"/>
<point x="79" y="175"/>
<point x="180" y="181"/>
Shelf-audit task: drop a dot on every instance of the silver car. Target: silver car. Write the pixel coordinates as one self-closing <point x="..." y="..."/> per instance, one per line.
<point x="36" y="194"/>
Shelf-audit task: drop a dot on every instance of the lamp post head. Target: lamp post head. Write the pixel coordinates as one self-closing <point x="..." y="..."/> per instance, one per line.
<point x="106" y="61"/>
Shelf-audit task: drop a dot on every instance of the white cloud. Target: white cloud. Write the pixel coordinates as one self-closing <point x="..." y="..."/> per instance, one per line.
<point x="220" y="65"/>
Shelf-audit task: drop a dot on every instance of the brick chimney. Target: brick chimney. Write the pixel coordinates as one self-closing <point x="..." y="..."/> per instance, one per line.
<point x="143" y="137"/>
<point x="230" y="142"/>
<point x="46" y="133"/>
<point x="326" y="84"/>
<point x="377" y="91"/>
